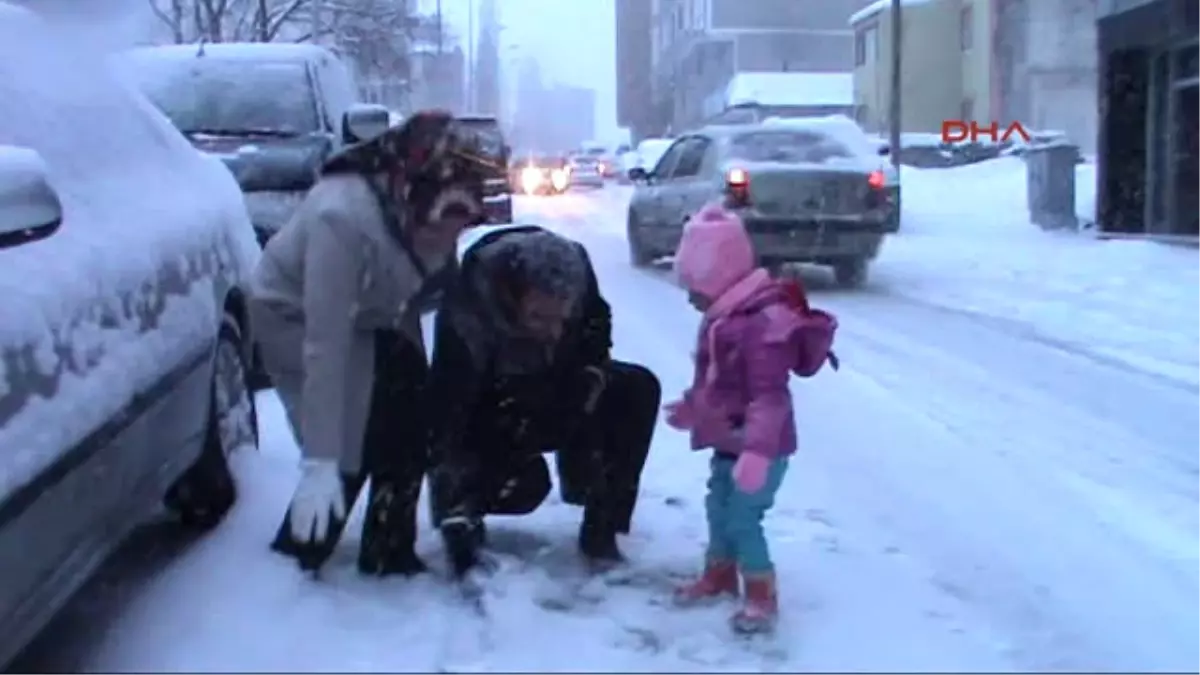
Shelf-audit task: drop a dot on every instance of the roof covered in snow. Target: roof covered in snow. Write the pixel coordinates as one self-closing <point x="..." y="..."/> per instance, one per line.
<point x="784" y="89"/>
<point x="879" y="6"/>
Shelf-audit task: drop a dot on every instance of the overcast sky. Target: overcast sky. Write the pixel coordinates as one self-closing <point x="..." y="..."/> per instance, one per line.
<point x="573" y="40"/>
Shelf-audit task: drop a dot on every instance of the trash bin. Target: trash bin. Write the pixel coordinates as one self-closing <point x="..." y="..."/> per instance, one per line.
<point x="1050" y="185"/>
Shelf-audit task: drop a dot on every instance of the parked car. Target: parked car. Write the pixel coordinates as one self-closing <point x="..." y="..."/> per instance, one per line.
<point x="123" y="359"/>
<point x="806" y="194"/>
<point x="498" y="190"/>
<point x="585" y="172"/>
<point x="272" y="112"/>
<point x="541" y="175"/>
<point x="606" y="163"/>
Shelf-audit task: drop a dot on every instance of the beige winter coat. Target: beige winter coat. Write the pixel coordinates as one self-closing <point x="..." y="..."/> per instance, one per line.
<point x="330" y="278"/>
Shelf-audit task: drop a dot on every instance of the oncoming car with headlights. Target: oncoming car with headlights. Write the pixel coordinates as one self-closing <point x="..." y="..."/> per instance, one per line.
<point x="542" y="175"/>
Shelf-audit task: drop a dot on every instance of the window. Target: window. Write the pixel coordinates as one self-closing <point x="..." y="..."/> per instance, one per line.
<point x="662" y="169"/>
<point x="691" y="158"/>
<point x="787" y="147"/>
<point x="866" y="46"/>
<point x="966" y="27"/>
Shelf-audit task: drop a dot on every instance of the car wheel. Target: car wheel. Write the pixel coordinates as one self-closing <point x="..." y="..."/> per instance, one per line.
<point x="850" y="273"/>
<point x="638" y="255"/>
<point x="206" y="491"/>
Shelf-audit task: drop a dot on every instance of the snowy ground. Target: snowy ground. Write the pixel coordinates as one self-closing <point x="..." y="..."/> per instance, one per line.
<point x="997" y="480"/>
<point x="968" y="245"/>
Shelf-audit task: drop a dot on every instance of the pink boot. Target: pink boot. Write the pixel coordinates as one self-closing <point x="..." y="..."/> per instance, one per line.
<point x="761" y="608"/>
<point x="720" y="578"/>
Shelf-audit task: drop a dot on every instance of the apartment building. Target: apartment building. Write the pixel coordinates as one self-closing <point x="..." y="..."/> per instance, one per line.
<point x="699" y="45"/>
<point x="1032" y="61"/>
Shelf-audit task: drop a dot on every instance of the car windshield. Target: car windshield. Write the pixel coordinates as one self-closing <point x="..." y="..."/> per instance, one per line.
<point x="233" y="97"/>
<point x="595" y="152"/>
<point x="789" y="147"/>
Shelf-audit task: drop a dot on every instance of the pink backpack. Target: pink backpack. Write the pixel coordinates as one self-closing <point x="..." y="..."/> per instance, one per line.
<point x="816" y="332"/>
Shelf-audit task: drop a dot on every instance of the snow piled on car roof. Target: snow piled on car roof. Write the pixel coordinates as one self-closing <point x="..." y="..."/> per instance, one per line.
<point x="139" y="205"/>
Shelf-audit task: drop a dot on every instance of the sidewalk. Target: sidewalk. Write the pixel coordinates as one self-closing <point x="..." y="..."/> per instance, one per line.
<point x="966" y="244"/>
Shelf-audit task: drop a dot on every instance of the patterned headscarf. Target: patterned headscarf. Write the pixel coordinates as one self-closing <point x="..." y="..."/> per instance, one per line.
<point x="428" y="166"/>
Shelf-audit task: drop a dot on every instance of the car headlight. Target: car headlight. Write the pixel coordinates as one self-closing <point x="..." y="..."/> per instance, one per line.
<point x="531" y="179"/>
<point x="559" y="179"/>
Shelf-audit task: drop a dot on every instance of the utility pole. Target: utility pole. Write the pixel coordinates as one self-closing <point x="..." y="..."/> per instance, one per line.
<point x="894" y="113"/>
<point x="439" y="31"/>
<point x="470" y="56"/>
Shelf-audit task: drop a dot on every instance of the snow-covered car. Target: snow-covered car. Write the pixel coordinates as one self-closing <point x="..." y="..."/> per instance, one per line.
<point x="124" y="339"/>
<point x="272" y="112"/>
<point x="867" y="147"/>
<point x="585" y="171"/>
<point x="807" y="193"/>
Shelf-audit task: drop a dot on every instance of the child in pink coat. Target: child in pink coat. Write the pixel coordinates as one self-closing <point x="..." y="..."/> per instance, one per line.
<point x="756" y="331"/>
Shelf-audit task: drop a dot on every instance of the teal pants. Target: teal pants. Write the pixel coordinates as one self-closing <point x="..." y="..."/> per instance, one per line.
<point x="735" y="518"/>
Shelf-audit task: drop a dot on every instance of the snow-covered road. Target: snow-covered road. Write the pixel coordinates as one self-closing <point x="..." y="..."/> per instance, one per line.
<point x="969" y="495"/>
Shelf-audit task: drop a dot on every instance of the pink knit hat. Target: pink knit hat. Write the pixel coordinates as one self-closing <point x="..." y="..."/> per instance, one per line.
<point x="715" y="252"/>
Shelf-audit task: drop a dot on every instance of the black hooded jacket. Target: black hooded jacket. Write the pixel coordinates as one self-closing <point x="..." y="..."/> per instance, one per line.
<point x="497" y="397"/>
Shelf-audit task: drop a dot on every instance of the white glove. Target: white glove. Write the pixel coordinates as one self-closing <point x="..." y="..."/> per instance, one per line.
<point x="318" y="500"/>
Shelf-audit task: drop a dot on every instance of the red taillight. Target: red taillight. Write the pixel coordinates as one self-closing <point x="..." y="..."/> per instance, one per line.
<point x="876" y="180"/>
<point x="737" y="183"/>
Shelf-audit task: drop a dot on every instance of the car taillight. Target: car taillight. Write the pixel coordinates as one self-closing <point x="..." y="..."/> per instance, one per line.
<point x="876" y="180"/>
<point x="737" y="187"/>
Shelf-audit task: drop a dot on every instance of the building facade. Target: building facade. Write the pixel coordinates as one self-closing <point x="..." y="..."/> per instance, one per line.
<point x="699" y="45"/>
<point x="1030" y="61"/>
<point x="1147" y="160"/>
<point x="635" y="95"/>
<point x="573" y="118"/>
<point x="934" y="73"/>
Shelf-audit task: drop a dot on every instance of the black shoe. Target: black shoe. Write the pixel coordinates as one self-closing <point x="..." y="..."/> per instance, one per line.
<point x="598" y="542"/>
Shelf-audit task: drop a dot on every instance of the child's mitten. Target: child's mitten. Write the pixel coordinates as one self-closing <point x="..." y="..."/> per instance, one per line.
<point x="750" y="472"/>
<point x="680" y="415"/>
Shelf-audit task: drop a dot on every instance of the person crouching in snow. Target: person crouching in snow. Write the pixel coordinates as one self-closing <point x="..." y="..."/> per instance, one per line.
<point x="336" y="302"/>
<point x="521" y="367"/>
<point x="755" y="332"/>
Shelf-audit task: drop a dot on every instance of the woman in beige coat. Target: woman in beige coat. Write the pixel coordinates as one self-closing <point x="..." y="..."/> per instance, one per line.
<point x="336" y="302"/>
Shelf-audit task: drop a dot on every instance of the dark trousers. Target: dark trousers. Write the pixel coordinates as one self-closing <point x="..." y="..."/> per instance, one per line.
<point x="599" y="457"/>
<point x="395" y="456"/>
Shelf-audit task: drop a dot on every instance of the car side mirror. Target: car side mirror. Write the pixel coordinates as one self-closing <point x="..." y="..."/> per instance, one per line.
<point x="639" y="175"/>
<point x="29" y="206"/>
<point x="364" y="121"/>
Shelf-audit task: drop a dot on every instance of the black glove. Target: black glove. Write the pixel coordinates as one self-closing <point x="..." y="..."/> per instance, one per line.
<point x="461" y="537"/>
